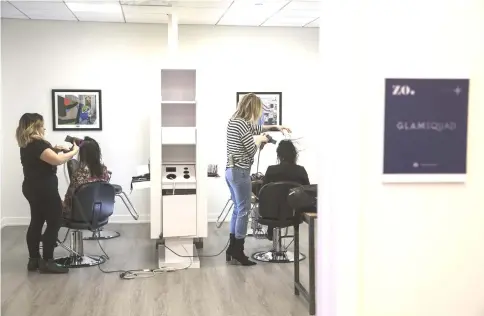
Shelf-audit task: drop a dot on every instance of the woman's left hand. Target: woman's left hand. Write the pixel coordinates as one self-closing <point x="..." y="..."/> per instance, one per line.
<point x="284" y="129"/>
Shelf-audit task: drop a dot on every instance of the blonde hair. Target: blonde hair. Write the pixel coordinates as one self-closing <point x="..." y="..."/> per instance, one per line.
<point x="30" y="127"/>
<point x="249" y="108"/>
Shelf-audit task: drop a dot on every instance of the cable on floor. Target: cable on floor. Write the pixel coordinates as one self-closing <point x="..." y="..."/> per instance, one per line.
<point x="138" y="273"/>
<point x="200" y="256"/>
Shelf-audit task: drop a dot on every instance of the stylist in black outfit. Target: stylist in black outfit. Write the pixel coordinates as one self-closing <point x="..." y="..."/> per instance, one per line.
<point x="40" y="187"/>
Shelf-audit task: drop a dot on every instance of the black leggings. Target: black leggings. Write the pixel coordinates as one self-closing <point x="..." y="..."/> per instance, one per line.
<point x="45" y="206"/>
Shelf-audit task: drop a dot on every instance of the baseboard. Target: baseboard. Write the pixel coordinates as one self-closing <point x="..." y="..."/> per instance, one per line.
<point x="15" y="221"/>
<point x="115" y="219"/>
<point x="128" y="219"/>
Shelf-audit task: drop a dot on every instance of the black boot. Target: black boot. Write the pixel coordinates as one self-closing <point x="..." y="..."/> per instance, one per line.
<point x="50" y="266"/>
<point x="33" y="264"/>
<point x="228" y="256"/>
<point x="238" y="253"/>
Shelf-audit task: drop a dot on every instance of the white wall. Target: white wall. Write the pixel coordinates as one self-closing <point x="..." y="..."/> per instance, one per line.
<point x="119" y="58"/>
<point x="419" y="245"/>
<point x="40" y="56"/>
<point x="423" y="243"/>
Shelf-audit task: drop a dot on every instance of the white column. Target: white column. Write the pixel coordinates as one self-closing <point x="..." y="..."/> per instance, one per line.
<point x="339" y="184"/>
<point x="172" y="35"/>
<point x="382" y="247"/>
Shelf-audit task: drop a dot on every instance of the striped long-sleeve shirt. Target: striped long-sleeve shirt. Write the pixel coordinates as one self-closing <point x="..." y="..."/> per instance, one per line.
<point x="241" y="147"/>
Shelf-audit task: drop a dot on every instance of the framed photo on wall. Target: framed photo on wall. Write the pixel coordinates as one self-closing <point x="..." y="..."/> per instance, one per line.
<point x="77" y="110"/>
<point x="272" y="106"/>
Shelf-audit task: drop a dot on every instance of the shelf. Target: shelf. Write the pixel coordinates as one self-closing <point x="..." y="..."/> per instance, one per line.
<point x="178" y="84"/>
<point x="178" y="136"/>
<point x="179" y="154"/>
<point x="176" y="115"/>
<point x="178" y="102"/>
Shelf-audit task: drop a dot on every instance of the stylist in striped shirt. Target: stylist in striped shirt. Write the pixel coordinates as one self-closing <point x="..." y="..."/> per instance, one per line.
<point x="243" y="139"/>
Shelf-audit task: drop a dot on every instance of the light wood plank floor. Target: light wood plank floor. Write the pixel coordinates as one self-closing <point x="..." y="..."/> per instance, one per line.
<point x="217" y="289"/>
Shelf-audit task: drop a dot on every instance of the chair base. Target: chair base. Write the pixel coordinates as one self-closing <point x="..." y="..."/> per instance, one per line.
<point x="80" y="261"/>
<point x="276" y="257"/>
<point x="102" y="235"/>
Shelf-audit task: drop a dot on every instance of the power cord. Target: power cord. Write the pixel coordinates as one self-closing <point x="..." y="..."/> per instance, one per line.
<point x="138" y="273"/>
<point x="200" y="256"/>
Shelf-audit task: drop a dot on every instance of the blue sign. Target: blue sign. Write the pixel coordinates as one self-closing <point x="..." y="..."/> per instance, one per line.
<point x="426" y="126"/>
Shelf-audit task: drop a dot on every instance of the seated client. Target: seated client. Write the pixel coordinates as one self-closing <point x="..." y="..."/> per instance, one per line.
<point x="91" y="169"/>
<point x="286" y="170"/>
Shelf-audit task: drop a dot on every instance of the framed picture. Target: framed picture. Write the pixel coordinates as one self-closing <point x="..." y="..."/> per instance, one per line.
<point x="272" y="106"/>
<point x="77" y="110"/>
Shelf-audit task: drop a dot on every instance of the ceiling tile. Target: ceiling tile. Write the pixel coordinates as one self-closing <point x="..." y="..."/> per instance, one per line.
<point x="45" y="10"/>
<point x="181" y="3"/>
<point x="314" y="23"/>
<point x="97" y="11"/>
<point x="288" y="21"/>
<point x="15" y="1"/>
<point x="9" y="11"/>
<point x="251" y="12"/>
<point x="220" y="4"/>
<point x="304" y="6"/>
<point x="307" y="9"/>
<point x="200" y="15"/>
<point x="137" y="14"/>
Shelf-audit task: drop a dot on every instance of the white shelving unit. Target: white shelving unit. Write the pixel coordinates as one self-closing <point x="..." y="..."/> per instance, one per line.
<point x="178" y="171"/>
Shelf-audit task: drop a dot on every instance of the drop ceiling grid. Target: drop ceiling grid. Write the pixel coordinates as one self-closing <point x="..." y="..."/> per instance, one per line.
<point x="43" y="10"/>
<point x="222" y="12"/>
<point x="9" y="10"/>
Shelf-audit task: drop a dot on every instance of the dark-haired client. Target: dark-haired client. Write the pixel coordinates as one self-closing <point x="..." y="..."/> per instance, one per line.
<point x="91" y="169"/>
<point x="286" y="170"/>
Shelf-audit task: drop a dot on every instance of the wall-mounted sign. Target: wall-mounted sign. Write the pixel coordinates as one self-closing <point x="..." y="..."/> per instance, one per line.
<point x="425" y="130"/>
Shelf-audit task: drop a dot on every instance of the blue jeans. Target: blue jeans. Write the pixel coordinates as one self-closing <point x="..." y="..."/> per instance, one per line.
<point x="240" y="188"/>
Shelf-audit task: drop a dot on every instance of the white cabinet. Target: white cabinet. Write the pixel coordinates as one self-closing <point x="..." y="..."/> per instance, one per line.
<point x="179" y="215"/>
<point x="177" y="144"/>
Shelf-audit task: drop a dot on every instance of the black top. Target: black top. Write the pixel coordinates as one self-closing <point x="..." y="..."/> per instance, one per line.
<point x="286" y="172"/>
<point x="34" y="167"/>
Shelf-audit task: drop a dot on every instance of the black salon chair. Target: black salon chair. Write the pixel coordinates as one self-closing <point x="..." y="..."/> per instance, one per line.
<point x="92" y="205"/>
<point x="274" y="211"/>
<point x="72" y="166"/>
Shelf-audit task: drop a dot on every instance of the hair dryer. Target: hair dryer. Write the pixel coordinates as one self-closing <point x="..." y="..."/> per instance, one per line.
<point x="77" y="141"/>
<point x="269" y="140"/>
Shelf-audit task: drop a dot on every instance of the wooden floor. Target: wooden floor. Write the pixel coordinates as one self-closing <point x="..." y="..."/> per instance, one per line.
<point x="217" y="289"/>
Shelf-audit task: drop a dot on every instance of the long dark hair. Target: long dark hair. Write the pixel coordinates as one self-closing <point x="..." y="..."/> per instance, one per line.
<point x="90" y="156"/>
<point x="287" y="152"/>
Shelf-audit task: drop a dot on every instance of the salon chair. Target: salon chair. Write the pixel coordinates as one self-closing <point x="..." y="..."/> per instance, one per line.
<point x="126" y="201"/>
<point x="72" y="166"/>
<point x="92" y="205"/>
<point x="275" y="211"/>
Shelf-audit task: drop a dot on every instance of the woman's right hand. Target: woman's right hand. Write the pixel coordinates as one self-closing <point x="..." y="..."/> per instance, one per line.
<point x="74" y="149"/>
<point x="260" y="139"/>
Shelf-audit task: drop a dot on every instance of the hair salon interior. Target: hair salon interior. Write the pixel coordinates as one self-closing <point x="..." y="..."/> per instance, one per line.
<point x="190" y="138"/>
<point x="154" y="84"/>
